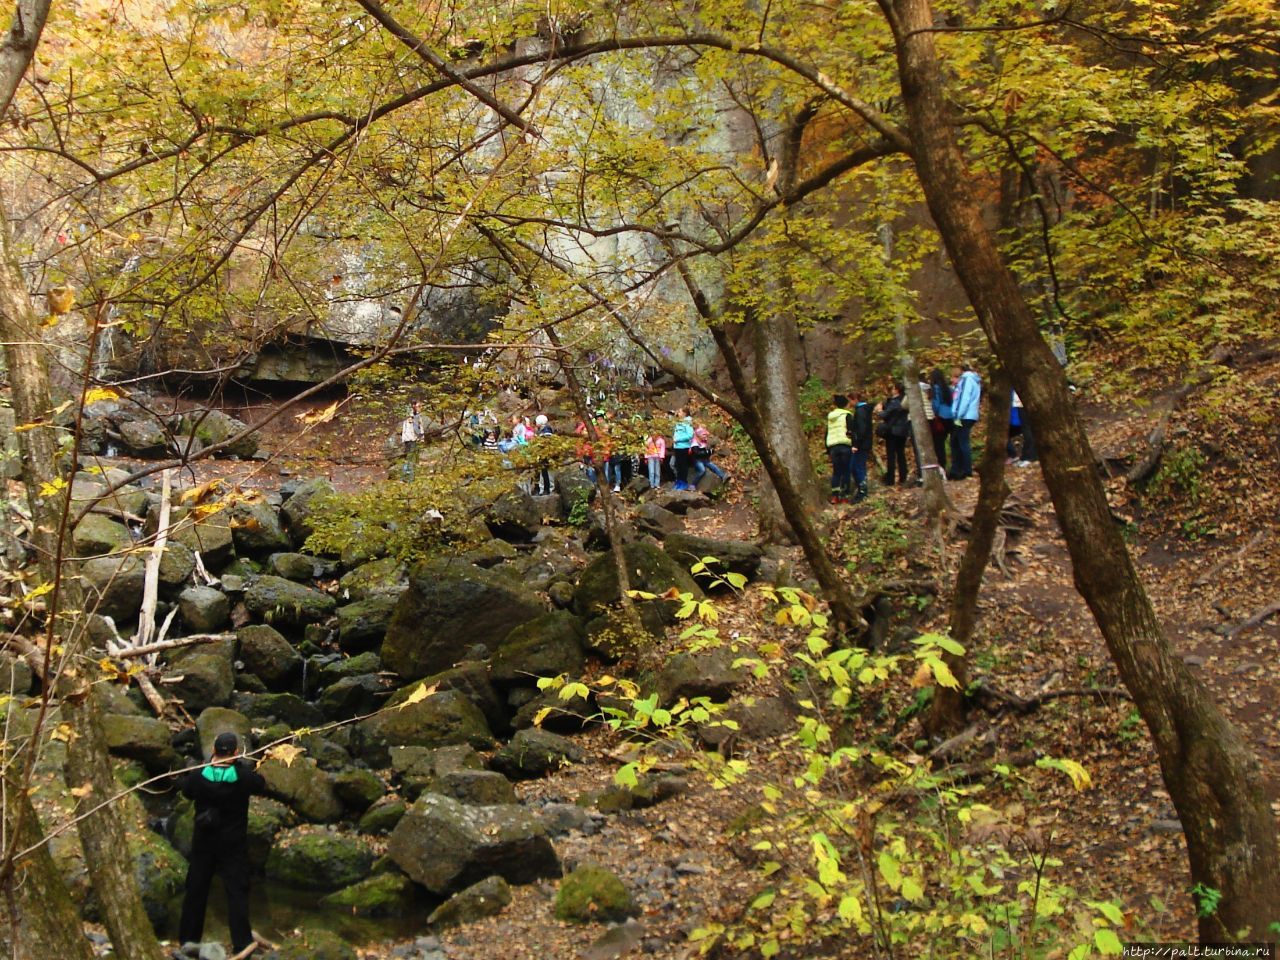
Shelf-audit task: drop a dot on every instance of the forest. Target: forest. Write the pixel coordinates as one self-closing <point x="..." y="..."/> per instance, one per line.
<point x="692" y="478"/>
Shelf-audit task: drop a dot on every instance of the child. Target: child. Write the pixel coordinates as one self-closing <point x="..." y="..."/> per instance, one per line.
<point x="700" y="455"/>
<point x="681" y="440"/>
<point x="655" y="451"/>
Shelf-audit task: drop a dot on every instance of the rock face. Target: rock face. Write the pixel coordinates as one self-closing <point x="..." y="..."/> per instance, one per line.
<point x="593" y="894"/>
<point x="446" y="846"/>
<point x="311" y="859"/>
<point x="269" y="656"/>
<point x="447" y="609"/>
<point x="282" y="601"/>
<point x="649" y="569"/>
<point x="535" y="753"/>
<point x="443" y="718"/>
<point x="546" y="646"/>
<point x="484" y="899"/>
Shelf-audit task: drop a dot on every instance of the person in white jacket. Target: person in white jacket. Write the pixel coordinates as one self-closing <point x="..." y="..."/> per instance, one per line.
<point x="410" y="436"/>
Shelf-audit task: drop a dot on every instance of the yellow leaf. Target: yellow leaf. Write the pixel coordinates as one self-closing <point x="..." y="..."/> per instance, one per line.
<point x="319" y="416"/>
<point x="922" y="678"/>
<point x="201" y="492"/>
<point x="82" y="791"/>
<point x="61" y="299"/>
<point x="286" y="753"/>
<point x="417" y="696"/>
<point x="95" y="394"/>
<point x="944" y="675"/>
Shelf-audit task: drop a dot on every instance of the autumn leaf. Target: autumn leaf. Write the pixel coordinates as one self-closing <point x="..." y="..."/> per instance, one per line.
<point x="319" y="416"/>
<point x="286" y="753"/>
<point x="418" y="695"/>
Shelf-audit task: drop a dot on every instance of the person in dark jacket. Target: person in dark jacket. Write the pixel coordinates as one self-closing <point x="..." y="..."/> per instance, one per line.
<point x="940" y="426"/>
<point x="221" y="790"/>
<point x="897" y="421"/>
<point x="863" y="437"/>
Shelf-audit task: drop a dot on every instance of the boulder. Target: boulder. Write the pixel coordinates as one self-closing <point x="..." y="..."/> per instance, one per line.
<point x="750" y="718"/>
<point x="735" y="556"/>
<point x="446" y="846"/>
<point x="305" y="788"/>
<point x="267" y="818"/>
<point x="471" y="679"/>
<point x="300" y="567"/>
<point x="388" y="576"/>
<point x="342" y="667"/>
<point x="307" y="858"/>
<point x="681" y="502"/>
<point x="210" y="427"/>
<point x="383" y="816"/>
<point x="611" y="638"/>
<point x="204" y="609"/>
<point x="708" y="673"/>
<point x="352" y="697"/>
<point x="363" y="624"/>
<point x="650" y="790"/>
<point x="288" y="708"/>
<point x="297" y="510"/>
<point x="161" y="874"/>
<point x="546" y="646"/>
<point x="177" y="563"/>
<point x="269" y="656"/>
<point x="368" y="542"/>
<point x="484" y="899"/>
<point x="593" y="894"/>
<point x="655" y="520"/>
<point x="277" y="600"/>
<point x="359" y="789"/>
<point x="649" y="569"/>
<point x="15" y="676"/>
<point x="573" y="487"/>
<point x="548" y="711"/>
<point x="215" y="720"/>
<point x="382" y="895"/>
<point x="440" y="719"/>
<point x="256" y="529"/>
<point x="447" y="609"/>
<point x="143" y="438"/>
<point x="484" y="788"/>
<point x="534" y="753"/>
<point x="208" y="677"/>
<point x="491" y="553"/>
<point x="113" y="585"/>
<point x="140" y="738"/>
<point x="421" y="767"/>
<point x="514" y="517"/>
<point x="209" y="536"/>
<point x="96" y="534"/>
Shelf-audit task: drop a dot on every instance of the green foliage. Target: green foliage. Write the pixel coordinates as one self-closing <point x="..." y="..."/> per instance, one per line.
<point x="1207" y="899"/>
<point x="581" y="511"/>
<point x="1181" y="474"/>
<point x="879" y="539"/>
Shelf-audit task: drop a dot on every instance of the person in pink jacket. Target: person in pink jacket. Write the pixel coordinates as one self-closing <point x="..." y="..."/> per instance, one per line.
<point x="655" y="451"/>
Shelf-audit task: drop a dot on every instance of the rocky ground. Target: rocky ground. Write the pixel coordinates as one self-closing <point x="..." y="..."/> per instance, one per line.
<point x="423" y="790"/>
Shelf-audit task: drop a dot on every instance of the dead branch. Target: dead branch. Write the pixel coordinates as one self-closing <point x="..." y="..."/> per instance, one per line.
<point x="153" y="696"/>
<point x="151" y="577"/>
<point x="171" y="644"/>
<point x="997" y="701"/>
<point x="1266" y="613"/>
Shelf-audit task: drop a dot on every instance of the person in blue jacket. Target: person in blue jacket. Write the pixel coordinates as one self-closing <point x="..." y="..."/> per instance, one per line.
<point x="681" y="440"/>
<point x="964" y="406"/>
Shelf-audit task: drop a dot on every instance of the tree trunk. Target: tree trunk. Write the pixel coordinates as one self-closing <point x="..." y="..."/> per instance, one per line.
<point x="1213" y="778"/>
<point x="102" y="834"/>
<point x="774" y="341"/>
<point x="947" y="714"/>
<point x="42" y="920"/>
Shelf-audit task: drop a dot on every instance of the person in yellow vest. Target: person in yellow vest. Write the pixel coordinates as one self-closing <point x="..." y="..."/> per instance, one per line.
<point x="840" y="431"/>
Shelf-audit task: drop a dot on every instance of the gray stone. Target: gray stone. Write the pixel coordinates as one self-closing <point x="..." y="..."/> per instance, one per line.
<point x="708" y="673"/>
<point x="681" y="502"/>
<point x="209" y="536"/>
<point x="491" y="553"/>
<point x="546" y="646"/>
<point x="143" y="438"/>
<point x="113" y="585"/>
<point x="448" y="608"/>
<point x="388" y="576"/>
<point x="342" y="667"/>
<point x="484" y="899"/>
<point x="212" y="427"/>
<point x="612" y="638"/>
<point x="573" y="487"/>
<point x="304" y="787"/>
<point x="752" y="718"/>
<point x="208" y="677"/>
<point x="352" y="697"/>
<point x="299" y="567"/>
<point x="358" y="789"/>
<point x="277" y="600"/>
<point x="534" y="753"/>
<point x="15" y="676"/>
<point x="215" y="720"/>
<point x="177" y="563"/>
<point x="649" y="570"/>
<point x="269" y="656"/>
<point x="204" y="609"/>
<point x="256" y="529"/>
<point x="446" y="846"/>
<point x="144" y="739"/>
<point x="563" y="818"/>
<point x="383" y="816"/>
<point x="96" y="534"/>
<point x="735" y="556"/>
<point x="288" y="708"/>
<point x="471" y="679"/>
<point x="514" y="517"/>
<point x="310" y="859"/>
<point x="656" y="520"/>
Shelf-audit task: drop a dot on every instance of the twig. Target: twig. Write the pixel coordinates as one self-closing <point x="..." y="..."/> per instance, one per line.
<point x="151" y="579"/>
<point x="1265" y="613"/>
<point x="153" y="696"/>
<point x="171" y="644"/>
<point x="994" y="700"/>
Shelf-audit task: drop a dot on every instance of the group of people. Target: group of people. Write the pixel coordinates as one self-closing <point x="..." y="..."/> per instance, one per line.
<point x="687" y="456"/>
<point x="951" y="407"/>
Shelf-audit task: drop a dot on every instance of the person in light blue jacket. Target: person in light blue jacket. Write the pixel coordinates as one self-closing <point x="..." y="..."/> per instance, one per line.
<point x="965" y="400"/>
<point x="681" y="441"/>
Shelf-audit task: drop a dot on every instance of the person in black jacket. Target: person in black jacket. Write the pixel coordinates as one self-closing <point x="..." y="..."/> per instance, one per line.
<point x="897" y="423"/>
<point x="221" y="790"/>
<point x="863" y="438"/>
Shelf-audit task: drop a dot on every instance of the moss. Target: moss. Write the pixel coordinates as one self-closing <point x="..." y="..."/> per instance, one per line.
<point x="382" y="895"/>
<point x="593" y="894"/>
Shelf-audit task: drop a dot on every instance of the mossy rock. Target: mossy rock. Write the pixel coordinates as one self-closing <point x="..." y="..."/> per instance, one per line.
<point x="546" y="646"/>
<point x="267" y="819"/>
<point x="144" y="739"/>
<point x="363" y="624"/>
<point x="96" y="534"/>
<point x="208" y="675"/>
<point x="382" y="895"/>
<point x="113" y="585"/>
<point x="277" y="600"/>
<point x="297" y="510"/>
<point x="309" y="859"/>
<point x="161" y="873"/>
<point x="304" y="787"/>
<point x="358" y="789"/>
<point x="484" y="899"/>
<point x="534" y="753"/>
<point x="648" y="568"/>
<point x="362" y="664"/>
<point x="315" y="944"/>
<point x="592" y="894"/>
<point x="210" y="537"/>
<point x="386" y="577"/>
<point x="444" y="718"/>
<point x="383" y="817"/>
<point x="256" y="529"/>
<point x="269" y="656"/>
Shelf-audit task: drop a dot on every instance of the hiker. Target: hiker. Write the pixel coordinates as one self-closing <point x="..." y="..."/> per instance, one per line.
<point x="681" y="440"/>
<point x="940" y="426"/>
<point x="1026" y="455"/>
<point x="542" y="473"/>
<point x="839" y="441"/>
<point x="965" y="399"/>
<point x="863" y="438"/>
<point x="410" y="436"/>
<point x="585" y="451"/>
<point x="221" y="790"/>
<point x="655" y="451"/>
<point x="895" y="426"/>
<point x="700" y="452"/>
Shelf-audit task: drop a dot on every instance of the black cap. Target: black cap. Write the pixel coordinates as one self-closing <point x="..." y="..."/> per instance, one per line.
<point x="225" y="743"/>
